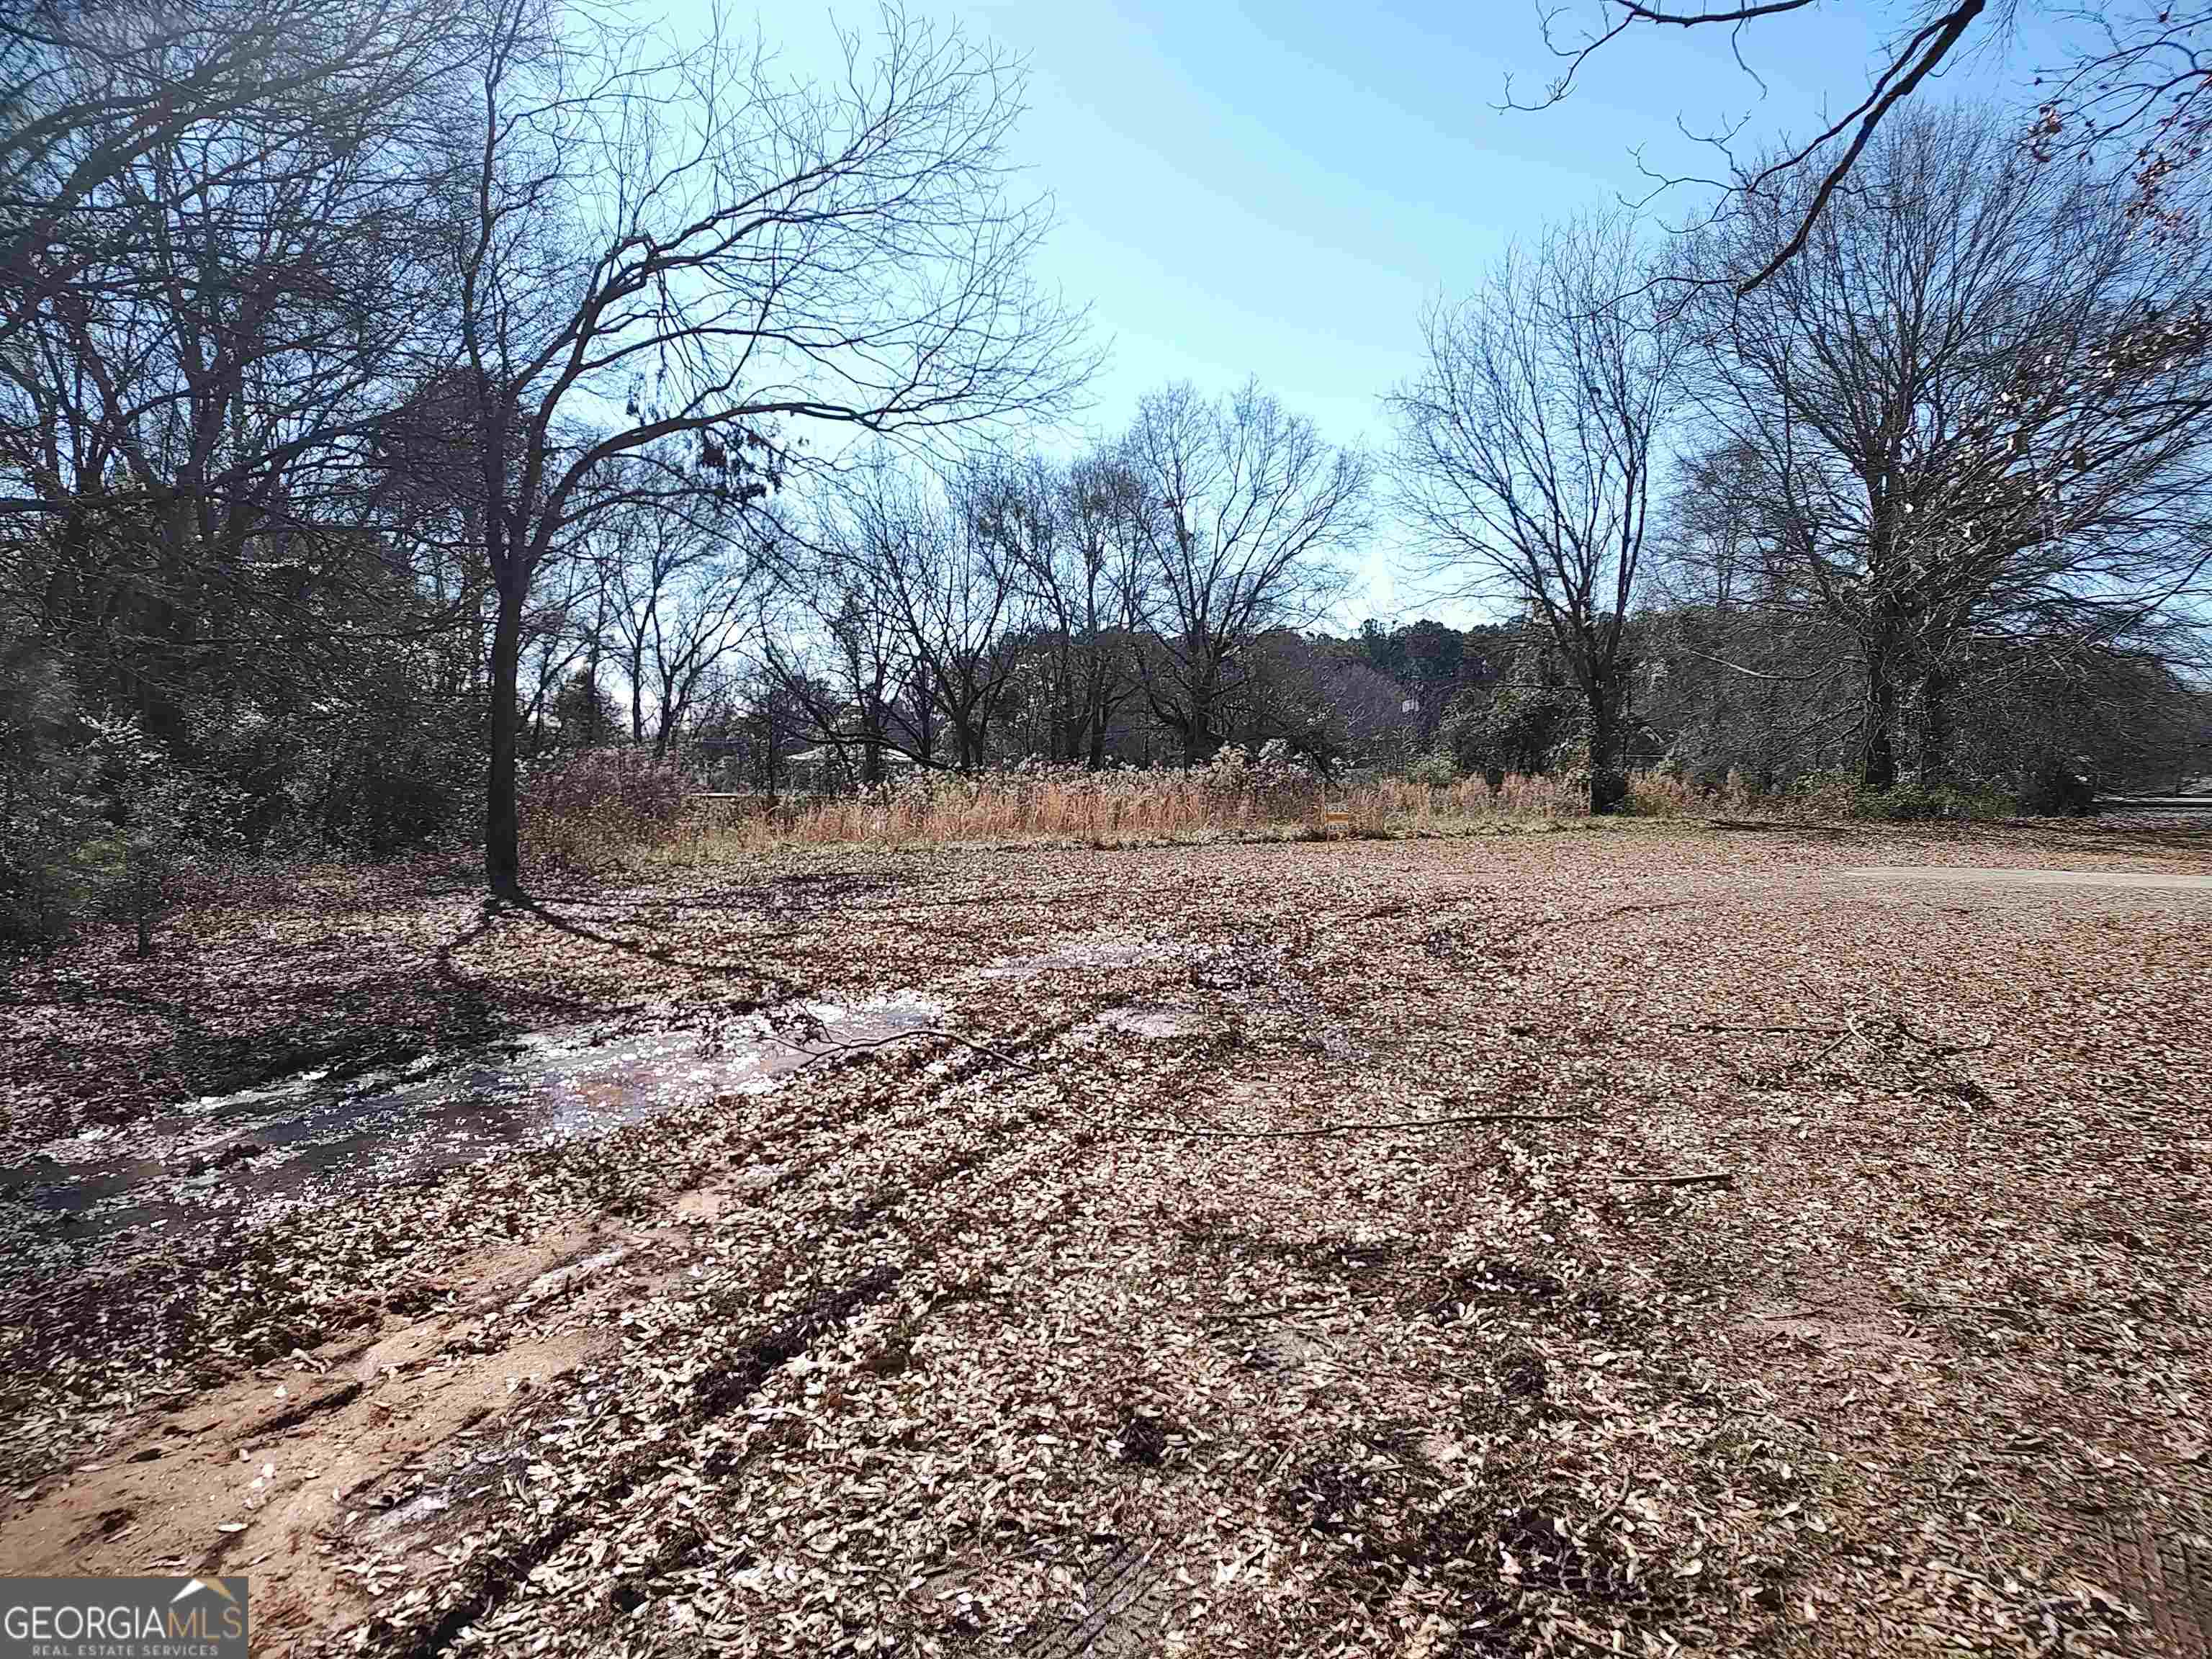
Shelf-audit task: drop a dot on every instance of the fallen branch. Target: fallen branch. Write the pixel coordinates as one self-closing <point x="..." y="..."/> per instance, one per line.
<point x="1763" y="1030"/>
<point x="1841" y="1033"/>
<point x="1807" y="1065"/>
<point x="999" y="1054"/>
<point x="1897" y="1023"/>
<point x="1941" y="1050"/>
<point x="1717" y="1177"/>
<point x="1356" y="1128"/>
<point x="1265" y="1313"/>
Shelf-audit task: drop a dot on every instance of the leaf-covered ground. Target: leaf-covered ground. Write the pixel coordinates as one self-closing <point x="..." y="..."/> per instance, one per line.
<point x="1288" y="1249"/>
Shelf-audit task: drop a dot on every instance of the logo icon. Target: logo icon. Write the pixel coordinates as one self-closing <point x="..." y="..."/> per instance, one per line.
<point x="123" y="1618"/>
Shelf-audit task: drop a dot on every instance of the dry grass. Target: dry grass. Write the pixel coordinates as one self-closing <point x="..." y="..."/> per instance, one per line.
<point x="581" y="812"/>
<point x="605" y="811"/>
<point x="1119" y="807"/>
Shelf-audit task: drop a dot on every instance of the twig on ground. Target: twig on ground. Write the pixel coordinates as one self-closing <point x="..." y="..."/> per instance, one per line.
<point x="1808" y="1065"/>
<point x="1762" y="1031"/>
<point x="1611" y="1509"/>
<point x="1718" y="1177"/>
<point x="1941" y="1050"/>
<point x="999" y="1054"/>
<point x="1563" y="1628"/>
<point x="1356" y="1128"/>
<point x="1265" y="1313"/>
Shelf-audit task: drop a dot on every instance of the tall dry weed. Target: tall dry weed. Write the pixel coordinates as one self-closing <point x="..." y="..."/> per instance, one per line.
<point x="1234" y="794"/>
<point x="586" y="810"/>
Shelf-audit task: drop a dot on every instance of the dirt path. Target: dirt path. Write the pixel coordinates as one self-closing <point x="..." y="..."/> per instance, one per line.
<point x="1106" y="1325"/>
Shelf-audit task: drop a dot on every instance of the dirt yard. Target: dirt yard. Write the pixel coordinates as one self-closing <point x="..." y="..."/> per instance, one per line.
<point x="1605" y="1240"/>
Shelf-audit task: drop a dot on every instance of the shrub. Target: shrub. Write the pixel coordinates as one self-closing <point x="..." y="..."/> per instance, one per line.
<point x="2059" y="788"/>
<point x="45" y="812"/>
<point x="1121" y="804"/>
<point x="45" y="883"/>
<point x="1914" y="803"/>
<point x="165" y="826"/>
<point x="1234" y="792"/>
<point x="1831" y="794"/>
<point x="581" y="810"/>
<point x="1657" y="795"/>
<point x="1736" y="792"/>
<point x="107" y="823"/>
<point x="1434" y="771"/>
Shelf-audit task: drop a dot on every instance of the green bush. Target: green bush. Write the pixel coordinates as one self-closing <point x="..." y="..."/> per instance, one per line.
<point x="1916" y="803"/>
<point x="2058" y="788"/>
<point x="1434" y="770"/>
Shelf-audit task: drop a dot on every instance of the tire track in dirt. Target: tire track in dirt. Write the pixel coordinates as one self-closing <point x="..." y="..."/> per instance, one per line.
<point x="496" y="1576"/>
<point x="824" y="1147"/>
<point x="346" y="1418"/>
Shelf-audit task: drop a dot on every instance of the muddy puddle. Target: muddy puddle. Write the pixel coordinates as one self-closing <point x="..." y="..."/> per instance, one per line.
<point x="203" y="1164"/>
<point x="198" y="1171"/>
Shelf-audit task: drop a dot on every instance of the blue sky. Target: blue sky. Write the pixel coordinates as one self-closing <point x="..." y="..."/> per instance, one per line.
<point x="1277" y="190"/>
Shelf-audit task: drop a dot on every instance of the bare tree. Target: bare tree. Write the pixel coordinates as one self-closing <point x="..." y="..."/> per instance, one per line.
<point x="215" y="218"/>
<point x="923" y="551"/>
<point x="1242" y="511"/>
<point x="1746" y="674"/>
<point x="2141" y="80"/>
<point x="1928" y="33"/>
<point x="90" y="94"/>
<point x="831" y="647"/>
<point x="852" y="697"/>
<point x="1978" y="405"/>
<point x="1062" y="534"/>
<point x="1530" y="448"/>
<point x="683" y="249"/>
<point x="681" y="584"/>
<point x="2129" y="91"/>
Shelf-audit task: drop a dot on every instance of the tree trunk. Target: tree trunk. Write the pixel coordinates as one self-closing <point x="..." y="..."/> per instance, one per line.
<point x="1199" y="741"/>
<point x="1878" y="747"/>
<point x="141" y="903"/>
<point x="1935" y="728"/>
<point x="970" y="731"/>
<point x="1606" y="786"/>
<point x="1097" y="713"/>
<point x="871" y="752"/>
<point x="502" y="812"/>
